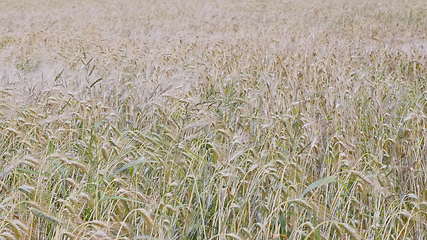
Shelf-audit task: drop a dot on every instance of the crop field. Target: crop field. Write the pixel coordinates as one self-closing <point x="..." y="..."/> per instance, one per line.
<point x="216" y="119"/>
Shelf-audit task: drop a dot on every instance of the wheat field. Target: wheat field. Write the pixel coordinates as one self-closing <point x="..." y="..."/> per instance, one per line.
<point x="187" y="119"/>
